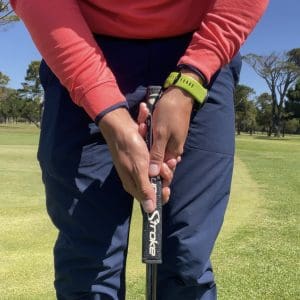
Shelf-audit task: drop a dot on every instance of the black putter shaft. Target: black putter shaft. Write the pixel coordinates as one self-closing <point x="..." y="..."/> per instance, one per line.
<point x="152" y="223"/>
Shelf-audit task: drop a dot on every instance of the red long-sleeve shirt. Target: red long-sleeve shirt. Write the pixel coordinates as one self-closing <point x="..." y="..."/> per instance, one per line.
<point x="62" y="31"/>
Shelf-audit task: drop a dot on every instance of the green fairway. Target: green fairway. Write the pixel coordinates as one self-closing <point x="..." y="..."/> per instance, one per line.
<point x="260" y="258"/>
<point x="257" y="253"/>
<point x="26" y="234"/>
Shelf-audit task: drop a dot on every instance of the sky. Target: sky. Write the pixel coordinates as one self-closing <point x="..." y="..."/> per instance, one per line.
<point x="278" y="30"/>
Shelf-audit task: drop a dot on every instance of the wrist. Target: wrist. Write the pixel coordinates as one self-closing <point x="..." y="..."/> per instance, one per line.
<point x="190" y="83"/>
<point x="115" y="121"/>
<point x="194" y="70"/>
<point x="192" y="75"/>
<point x="181" y="99"/>
<point x="98" y="118"/>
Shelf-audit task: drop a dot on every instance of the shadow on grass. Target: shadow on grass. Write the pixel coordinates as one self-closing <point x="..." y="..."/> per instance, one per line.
<point x="265" y="137"/>
<point x="270" y="138"/>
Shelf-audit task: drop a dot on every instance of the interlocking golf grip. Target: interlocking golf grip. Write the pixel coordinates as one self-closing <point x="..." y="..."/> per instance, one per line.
<point x="152" y="223"/>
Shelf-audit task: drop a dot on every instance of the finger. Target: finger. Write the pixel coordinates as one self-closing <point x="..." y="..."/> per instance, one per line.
<point x="143" y="113"/>
<point x="147" y="197"/>
<point x="170" y="156"/>
<point x="172" y="163"/>
<point x="148" y="205"/>
<point x="142" y="129"/>
<point x="174" y="148"/>
<point x="144" y="190"/>
<point x="129" y="185"/>
<point x="167" y="174"/>
<point x="157" y="152"/>
<point x="166" y="194"/>
<point x="137" y="184"/>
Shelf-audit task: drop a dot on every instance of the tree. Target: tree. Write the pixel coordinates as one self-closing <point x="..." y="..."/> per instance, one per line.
<point x="245" y="111"/>
<point x="31" y="87"/>
<point x="4" y="80"/>
<point x="6" y="13"/>
<point x="294" y="56"/>
<point x="264" y="112"/>
<point x="10" y="106"/>
<point x="32" y="94"/>
<point x="292" y="105"/>
<point x="24" y="103"/>
<point x="280" y="72"/>
<point x="292" y="126"/>
<point x="31" y="111"/>
<point x="3" y="95"/>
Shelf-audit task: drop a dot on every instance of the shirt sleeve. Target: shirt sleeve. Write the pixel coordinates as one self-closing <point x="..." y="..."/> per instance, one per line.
<point x="221" y="34"/>
<point x="65" y="41"/>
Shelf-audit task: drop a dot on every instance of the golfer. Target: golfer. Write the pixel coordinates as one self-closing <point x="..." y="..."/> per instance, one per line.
<point x="98" y="59"/>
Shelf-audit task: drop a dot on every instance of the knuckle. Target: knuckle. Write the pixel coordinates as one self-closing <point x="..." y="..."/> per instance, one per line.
<point x="139" y="168"/>
<point x="167" y="174"/>
<point x="157" y="155"/>
<point x="145" y="191"/>
<point x="159" y="132"/>
<point x="178" y="151"/>
<point x="126" y="187"/>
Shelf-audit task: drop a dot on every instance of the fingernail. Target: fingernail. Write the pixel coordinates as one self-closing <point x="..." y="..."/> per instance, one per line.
<point x="148" y="206"/>
<point x="153" y="169"/>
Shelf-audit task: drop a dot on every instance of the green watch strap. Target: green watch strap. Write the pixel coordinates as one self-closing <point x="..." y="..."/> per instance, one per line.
<point x="188" y="84"/>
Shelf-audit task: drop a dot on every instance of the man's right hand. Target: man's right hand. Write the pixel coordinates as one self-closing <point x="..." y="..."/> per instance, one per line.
<point x="130" y="155"/>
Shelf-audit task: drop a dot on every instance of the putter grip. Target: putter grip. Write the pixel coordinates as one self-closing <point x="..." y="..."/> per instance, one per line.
<point x="152" y="223"/>
<point x="152" y="228"/>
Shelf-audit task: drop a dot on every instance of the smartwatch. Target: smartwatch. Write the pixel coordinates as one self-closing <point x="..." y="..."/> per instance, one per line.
<point x="188" y="84"/>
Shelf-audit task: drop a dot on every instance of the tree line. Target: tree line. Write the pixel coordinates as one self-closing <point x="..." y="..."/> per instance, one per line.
<point x="278" y="110"/>
<point x="24" y="104"/>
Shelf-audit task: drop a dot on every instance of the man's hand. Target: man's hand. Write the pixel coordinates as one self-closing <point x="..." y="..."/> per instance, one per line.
<point x="130" y="155"/>
<point x="171" y="120"/>
<point x="168" y="167"/>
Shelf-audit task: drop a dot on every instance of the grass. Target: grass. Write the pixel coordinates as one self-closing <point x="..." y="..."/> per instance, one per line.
<point x="256" y="255"/>
<point x="26" y="236"/>
<point x="264" y="252"/>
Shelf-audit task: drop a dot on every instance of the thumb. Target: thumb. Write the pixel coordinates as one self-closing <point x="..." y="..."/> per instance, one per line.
<point x="157" y="154"/>
<point x="146" y="194"/>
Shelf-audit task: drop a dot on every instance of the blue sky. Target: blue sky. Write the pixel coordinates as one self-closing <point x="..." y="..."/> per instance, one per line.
<point x="278" y="30"/>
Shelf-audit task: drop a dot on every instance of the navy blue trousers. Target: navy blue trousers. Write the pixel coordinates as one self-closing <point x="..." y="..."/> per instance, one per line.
<point x="84" y="194"/>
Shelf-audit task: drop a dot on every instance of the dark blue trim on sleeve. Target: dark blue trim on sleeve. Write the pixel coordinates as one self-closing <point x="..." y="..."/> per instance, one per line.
<point x="109" y="109"/>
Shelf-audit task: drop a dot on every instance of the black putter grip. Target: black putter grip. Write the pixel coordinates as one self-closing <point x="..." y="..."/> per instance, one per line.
<point x="152" y="228"/>
<point x="152" y="223"/>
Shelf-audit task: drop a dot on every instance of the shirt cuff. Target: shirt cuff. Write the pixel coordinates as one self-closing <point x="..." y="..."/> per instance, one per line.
<point x="101" y="98"/>
<point x="98" y="118"/>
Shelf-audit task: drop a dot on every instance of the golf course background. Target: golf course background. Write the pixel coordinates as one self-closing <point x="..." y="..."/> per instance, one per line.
<point x="257" y="253"/>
